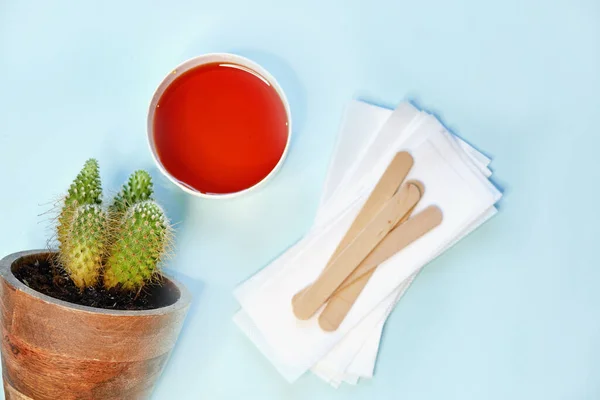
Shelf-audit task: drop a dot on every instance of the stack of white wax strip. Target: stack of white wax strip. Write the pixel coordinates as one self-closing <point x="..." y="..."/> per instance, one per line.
<point x="456" y="179"/>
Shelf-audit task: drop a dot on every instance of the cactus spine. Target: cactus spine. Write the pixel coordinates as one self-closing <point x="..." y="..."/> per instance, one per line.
<point x="141" y="245"/>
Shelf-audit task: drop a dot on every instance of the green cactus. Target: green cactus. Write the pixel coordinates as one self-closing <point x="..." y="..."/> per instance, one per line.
<point x="143" y="237"/>
<point x="137" y="189"/>
<point x="85" y="246"/>
<point x="85" y="189"/>
<point x="125" y="243"/>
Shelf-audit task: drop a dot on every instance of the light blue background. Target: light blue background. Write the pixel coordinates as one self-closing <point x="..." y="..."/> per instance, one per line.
<point x="512" y="312"/>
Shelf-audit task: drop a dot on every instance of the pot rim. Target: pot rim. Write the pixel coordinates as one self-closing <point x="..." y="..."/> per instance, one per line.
<point x="6" y="273"/>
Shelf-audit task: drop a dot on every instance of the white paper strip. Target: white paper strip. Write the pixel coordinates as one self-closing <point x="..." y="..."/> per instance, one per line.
<point x="356" y="341"/>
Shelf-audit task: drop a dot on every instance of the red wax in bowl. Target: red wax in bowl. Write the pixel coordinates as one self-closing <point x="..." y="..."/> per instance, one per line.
<point x="220" y="128"/>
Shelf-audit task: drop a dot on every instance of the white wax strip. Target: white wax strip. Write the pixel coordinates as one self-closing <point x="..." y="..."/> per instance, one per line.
<point x="359" y="129"/>
<point x="303" y="344"/>
<point x="373" y="356"/>
<point x="478" y="158"/>
<point x="381" y="113"/>
<point x="364" y="363"/>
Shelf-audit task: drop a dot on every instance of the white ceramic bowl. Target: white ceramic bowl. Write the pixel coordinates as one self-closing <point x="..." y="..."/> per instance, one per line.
<point x="209" y="59"/>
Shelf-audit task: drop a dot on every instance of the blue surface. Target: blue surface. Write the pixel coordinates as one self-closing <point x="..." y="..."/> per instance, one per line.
<point x="509" y="313"/>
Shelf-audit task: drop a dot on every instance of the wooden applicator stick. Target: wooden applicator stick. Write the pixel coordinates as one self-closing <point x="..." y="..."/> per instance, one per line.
<point x="351" y="256"/>
<point x="388" y="184"/>
<point x="356" y="274"/>
<point x="344" y="298"/>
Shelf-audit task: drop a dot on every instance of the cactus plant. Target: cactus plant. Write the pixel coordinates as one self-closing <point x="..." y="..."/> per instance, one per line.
<point x="82" y="253"/>
<point x="126" y="242"/>
<point x="143" y="238"/>
<point x="138" y="188"/>
<point x="85" y="189"/>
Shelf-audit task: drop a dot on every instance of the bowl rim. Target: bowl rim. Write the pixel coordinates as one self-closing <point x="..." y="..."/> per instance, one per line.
<point x="6" y="273"/>
<point x="204" y="59"/>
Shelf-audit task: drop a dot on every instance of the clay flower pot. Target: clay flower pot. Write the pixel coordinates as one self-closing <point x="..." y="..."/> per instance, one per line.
<point x="52" y="349"/>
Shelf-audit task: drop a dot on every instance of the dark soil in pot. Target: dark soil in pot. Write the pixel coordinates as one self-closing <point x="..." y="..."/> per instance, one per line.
<point x="43" y="275"/>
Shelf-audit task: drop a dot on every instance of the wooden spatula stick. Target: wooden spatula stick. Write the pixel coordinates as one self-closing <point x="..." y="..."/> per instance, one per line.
<point x="344" y="298"/>
<point x="356" y="251"/>
<point x="398" y="239"/>
<point x="355" y="274"/>
<point x="388" y="184"/>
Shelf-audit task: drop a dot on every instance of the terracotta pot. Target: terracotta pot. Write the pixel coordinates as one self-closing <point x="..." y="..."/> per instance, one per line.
<point x="52" y="349"/>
